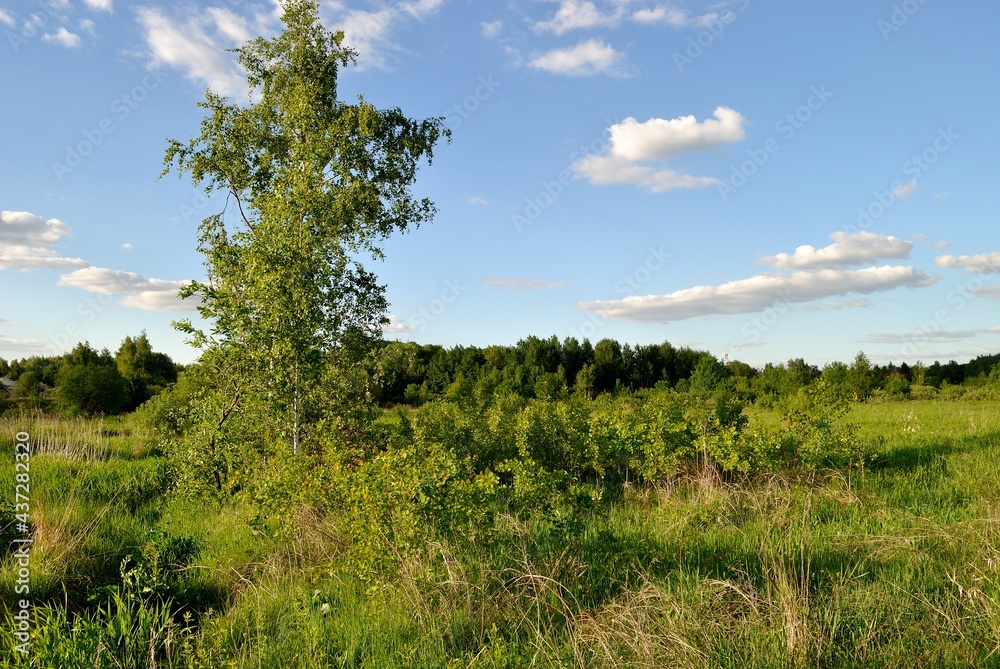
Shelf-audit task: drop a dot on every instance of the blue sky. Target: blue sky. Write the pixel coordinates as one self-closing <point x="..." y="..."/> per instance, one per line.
<point x="763" y="180"/>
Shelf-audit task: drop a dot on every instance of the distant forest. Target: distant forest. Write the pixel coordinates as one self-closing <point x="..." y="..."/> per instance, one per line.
<point x="87" y="381"/>
<point x="404" y="372"/>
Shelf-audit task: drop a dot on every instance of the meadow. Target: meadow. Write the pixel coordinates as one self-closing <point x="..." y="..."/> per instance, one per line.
<point x="891" y="560"/>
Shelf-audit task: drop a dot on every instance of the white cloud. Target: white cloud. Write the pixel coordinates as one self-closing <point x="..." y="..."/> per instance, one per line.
<point x="611" y="170"/>
<point x="657" y="138"/>
<point x="63" y="37"/>
<point x="368" y="33"/>
<point x="187" y="46"/>
<point x="986" y="292"/>
<point x="160" y="300"/>
<point x="577" y="15"/>
<point x="127" y="246"/>
<point x="5" y="17"/>
<point x="88" y="27"/>
<point x="983" y="263"/>
<point x="588" y="58"/>
<point x="235" y="28"/>
<point x="943" y="195"/>
<point x="142" y="293"/>
<point x="397" y="324"/>
<point x="99" y="5"/>
<point x="481" y="201"/>
<point x="661" y="138"/>
<point x="859" y="303"/>
<point x="26" y="241"/>
<point x="420" y="9"/>
<point x="758" y="293"/>
<point x="17" y="348"/>
<point x="928" y="335"/>
<point x="673" y="17"/>
<point x="522" y="284"/>
<point x="859" y="248"/>
<point x="491" y="29"/>
<point x="27" y="229"/>
<point x="904" y="191"/>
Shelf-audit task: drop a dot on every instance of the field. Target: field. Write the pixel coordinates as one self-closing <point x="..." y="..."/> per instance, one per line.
<point x="893" y="562"/>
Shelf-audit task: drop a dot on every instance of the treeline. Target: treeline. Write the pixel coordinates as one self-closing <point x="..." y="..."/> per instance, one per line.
<point x="87" y="381"/>
<point x="409" y="373"/>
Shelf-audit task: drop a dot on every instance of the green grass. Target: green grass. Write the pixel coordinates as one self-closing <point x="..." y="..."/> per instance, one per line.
<point x="895" y="563"/>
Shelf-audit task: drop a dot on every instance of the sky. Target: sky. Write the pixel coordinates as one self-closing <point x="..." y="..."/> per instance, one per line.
<point x="764" y="181"/>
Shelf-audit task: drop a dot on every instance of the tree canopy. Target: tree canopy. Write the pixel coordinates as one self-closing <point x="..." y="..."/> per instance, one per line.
<point x="313" y="186"/>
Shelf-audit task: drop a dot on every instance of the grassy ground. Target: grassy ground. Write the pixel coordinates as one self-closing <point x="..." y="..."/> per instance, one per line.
<point x="896" y="564"/>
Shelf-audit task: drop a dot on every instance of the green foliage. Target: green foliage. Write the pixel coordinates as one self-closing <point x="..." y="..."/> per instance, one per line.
<point x="92" y="388"/>
<point x="815" y="434"/>
<point x="133" y="629"/>
<point x="318" y="184"/>
<point x="145" y="372"/>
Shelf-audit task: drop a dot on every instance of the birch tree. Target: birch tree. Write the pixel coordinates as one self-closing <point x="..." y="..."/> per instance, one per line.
<point x="313" y="186"/>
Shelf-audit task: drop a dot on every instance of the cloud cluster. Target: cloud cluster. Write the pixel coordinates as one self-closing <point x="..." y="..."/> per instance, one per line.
<point x="983" y="263"/>
<point x="140" y="292"/>
<point x="846" y="250"/>
<point x="632" y="142"/>
<point x="930" y="335"/>
<point x="586" y="15"/>
<point x="195" y="40"/>
<point x="817" y="274"/>
<point x="758" y="293"/>
<point x="26" y="242"/>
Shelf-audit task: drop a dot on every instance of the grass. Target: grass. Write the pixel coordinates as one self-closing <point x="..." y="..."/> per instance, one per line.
<point x="892" y="564"/>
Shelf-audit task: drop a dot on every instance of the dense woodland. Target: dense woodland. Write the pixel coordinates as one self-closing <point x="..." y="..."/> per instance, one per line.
<point x="85" y="381"/>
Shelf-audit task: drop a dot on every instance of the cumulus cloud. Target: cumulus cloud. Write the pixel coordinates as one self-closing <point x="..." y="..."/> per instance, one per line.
<point x="983" y="263"/>
<point x="6" y="18"/>
<point x="588" y="58"/>
<point x="662" y="138"/>
<point x="846" y="250"/>
<point x="928" y="335"/>
<point x="904" y="191"/>
<point x="522" y="284"/>
<point x="657" y="139"/>
<point x="141" y="293"/>
<point x="609" y="170"/>
<point x="99" y="5"/>
<point x="577" y="15"/>
<point x="63" y="37"/>
<point x="397" y="324"/>
<point x="758" y="293"/>
<point x="26" y="241"/>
